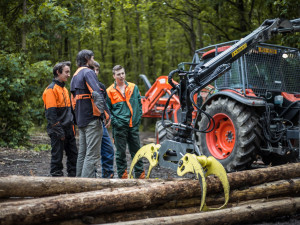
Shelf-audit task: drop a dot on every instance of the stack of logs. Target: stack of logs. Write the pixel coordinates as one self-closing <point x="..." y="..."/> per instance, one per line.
<point x="255" y="195"/>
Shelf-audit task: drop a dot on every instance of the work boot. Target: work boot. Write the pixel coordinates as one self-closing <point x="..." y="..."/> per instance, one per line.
<point x="125" y="175"/>
<point x="108" y="175"/>
<point x="72" y="174"/>
<point x="57" y="174"/>
<point x="142" y="176"/>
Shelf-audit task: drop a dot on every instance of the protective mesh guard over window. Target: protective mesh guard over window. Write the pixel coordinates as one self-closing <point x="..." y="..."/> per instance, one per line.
<point x="266" y="67"/>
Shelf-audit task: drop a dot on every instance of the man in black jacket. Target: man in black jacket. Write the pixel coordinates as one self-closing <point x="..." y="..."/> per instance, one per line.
<point x="60" y="121"/>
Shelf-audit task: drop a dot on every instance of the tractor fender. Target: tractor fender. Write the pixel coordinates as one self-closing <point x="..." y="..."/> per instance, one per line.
<point x="253" y="102"/>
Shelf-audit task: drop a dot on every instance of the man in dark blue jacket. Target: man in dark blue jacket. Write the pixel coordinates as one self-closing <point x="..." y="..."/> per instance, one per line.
<point x="89" y="104"/>
<point x="107" y="149"/>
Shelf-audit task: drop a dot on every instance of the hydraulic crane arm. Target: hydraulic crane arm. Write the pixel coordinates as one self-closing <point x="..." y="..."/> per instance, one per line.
<point x="181" y="154"/>
<point x="214" y="68"/>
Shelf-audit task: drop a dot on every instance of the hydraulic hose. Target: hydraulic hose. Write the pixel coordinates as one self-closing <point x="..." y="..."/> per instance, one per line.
<point x="209" y="117"/>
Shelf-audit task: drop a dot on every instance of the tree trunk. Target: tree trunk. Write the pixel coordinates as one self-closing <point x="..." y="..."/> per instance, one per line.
<point x="241" y="214"/>
<point x="141" y="66"/>
<point x="66" y="48"/>
<point x="263" y="175"/>
<point x="73" y="205"/>
<point x="37" y="211"/>
<point x="112" y="35"/>
<point x="24" y="29"/>
<point x="144" y="214"/>
<point x="128" y="54"/>
<point x="267" y="190"/>
<point x="21" y="186"/>
<point x="18" y="186"/>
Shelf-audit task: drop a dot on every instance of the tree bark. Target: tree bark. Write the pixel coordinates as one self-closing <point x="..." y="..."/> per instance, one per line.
<point x="258" y="176"/>
<point x="241" y="214"/>
<point x="24" y="27"/>
<point x="144" y="214"/>
<point x="24" y="186"/>
<point x="73" y="205"/>
<point x="37" y="211"/>
<point x="19" y="186"/>
<point x="267" y="190"/>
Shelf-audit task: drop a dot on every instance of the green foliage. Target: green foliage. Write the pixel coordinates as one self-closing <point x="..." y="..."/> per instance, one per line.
<point x="42" y="147"/>
<point x="149" y="37"/>
<point x="19" y="87"/>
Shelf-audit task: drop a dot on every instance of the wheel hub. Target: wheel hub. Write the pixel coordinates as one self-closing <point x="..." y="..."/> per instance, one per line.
<point x="229" y="136"/>
<point x="222" y="139"/>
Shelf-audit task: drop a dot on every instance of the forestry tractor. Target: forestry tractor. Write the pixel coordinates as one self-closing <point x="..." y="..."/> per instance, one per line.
<point x="234" y="102"/>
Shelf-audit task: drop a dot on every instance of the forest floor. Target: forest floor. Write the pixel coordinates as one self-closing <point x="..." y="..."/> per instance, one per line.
<point x="30" y="162"/>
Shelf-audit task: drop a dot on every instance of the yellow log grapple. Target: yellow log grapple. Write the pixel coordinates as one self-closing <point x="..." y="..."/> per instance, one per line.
<point x="201" y="166"/>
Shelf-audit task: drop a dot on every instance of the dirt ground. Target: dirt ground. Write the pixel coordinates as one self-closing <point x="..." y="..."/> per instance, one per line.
<point x="28" y="162"/>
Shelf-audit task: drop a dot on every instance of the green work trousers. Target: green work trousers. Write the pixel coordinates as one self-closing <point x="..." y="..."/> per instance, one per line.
<point x="123" y="136"/>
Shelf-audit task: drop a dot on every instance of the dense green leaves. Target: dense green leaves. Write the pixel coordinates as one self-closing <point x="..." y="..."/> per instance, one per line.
<point x="19" y="106"/>
<point x="145" y="36"/>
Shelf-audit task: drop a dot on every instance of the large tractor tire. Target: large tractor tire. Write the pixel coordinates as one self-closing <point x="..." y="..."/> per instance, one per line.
<point x="162" y="133"/>
<point x="233" y="141"/>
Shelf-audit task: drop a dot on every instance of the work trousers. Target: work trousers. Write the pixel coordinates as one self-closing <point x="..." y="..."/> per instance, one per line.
<point x="123" y="136"/>
<point x="90" y="138"/>
<point x="107" y="155"/>
<point x="57" y="151"/>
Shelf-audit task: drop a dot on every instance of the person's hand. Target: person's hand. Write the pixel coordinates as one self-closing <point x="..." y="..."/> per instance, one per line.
<point x="107" y="125"/>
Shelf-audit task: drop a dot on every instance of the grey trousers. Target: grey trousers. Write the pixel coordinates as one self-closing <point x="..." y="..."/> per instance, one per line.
<point x="90" y="138"/>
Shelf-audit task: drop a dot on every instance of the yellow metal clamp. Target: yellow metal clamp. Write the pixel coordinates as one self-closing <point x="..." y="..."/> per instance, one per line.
<point x="149" y="152"/>
<point x="201" y="166"/>
<point x="191" y="163"/>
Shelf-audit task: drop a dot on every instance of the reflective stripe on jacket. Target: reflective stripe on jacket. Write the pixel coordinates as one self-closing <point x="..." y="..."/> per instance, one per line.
<point x="125" y="110"/>
<point x="57" y="108"/>
<point x="87" y="98"/>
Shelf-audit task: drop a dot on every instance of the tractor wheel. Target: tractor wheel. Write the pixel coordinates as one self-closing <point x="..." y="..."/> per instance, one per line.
<point x="233" y="140"/>
<point x="162" y="133"/>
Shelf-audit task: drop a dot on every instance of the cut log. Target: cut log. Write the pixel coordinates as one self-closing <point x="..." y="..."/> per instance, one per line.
<point x="37" y="211"/>
<point x="241" y="214"/>
<point x="145" y="214"/>
<point x="258" y="176"/>
<point x="277" y="188"/>
<point x="72" y="205"/>
<point x="26" y="186"/>
<point x="20" y="186"/>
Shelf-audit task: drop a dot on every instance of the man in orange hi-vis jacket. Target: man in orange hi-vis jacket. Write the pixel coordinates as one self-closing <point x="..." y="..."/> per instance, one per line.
<point x="60" y="122"/>
<point x="124" y="103"/>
